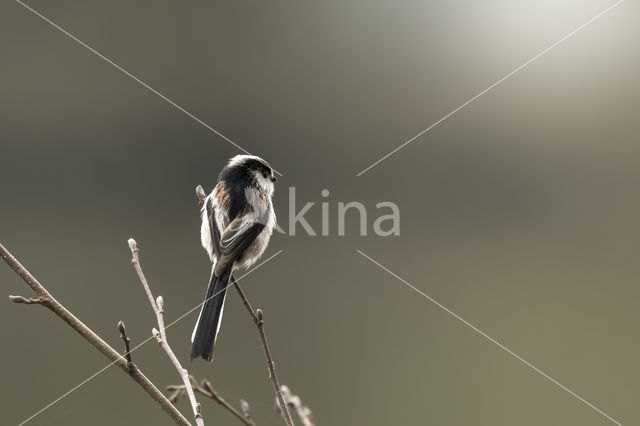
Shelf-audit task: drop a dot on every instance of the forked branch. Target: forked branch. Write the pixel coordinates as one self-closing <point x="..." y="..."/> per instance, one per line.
<point x="207" y="390"/>
<point x="47" y="300"/>
<point x="161" y="335"/>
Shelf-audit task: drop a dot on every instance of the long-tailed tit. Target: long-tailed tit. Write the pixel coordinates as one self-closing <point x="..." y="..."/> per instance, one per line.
<point x="237" y="222"/>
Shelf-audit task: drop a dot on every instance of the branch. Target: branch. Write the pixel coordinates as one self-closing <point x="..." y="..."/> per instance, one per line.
<point x="256" y="316"/>
<point x="48" y="301"/>
<point x="177" y="394"/>
<point x="125" y="338"/>
<point x="207" y="390"/>
<point x="258" y="320"/>
<point x="304" y="413"/>
<point x="161" y="336"/>
<point x="27" y="300"/>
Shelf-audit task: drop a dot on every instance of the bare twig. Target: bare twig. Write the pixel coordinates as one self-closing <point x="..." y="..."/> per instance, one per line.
<point x="257" y="318"/>
<point x="27" y="300"/>
<point x="126" y="340"/>
<point x="304" y="413"/>
<point x="207" y="390"/>
<point x="161" y="335"/>
<point x="45" y="299"/>
<point x="177" y="394"/>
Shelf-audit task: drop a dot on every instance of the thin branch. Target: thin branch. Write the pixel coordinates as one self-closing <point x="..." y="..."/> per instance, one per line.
<point x="177" y="394"/>
<point x="126" y="340"/>
<point x="294" y="401"/>
<point x="161" y="335"/>
<point x="45" y="299"/>
<point x="207" y="390"/>
<point x="258" y="320"/>
<point x="27" y="300"/>
<point x="257" y="317"/>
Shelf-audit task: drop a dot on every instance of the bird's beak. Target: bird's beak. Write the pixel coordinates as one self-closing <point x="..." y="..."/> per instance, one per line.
<point x="273" y="179"/>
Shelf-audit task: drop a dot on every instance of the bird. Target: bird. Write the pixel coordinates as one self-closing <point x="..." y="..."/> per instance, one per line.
<point x="237" y="222"/>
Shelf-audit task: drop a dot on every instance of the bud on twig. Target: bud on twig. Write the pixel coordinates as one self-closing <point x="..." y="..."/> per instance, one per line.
<point x="160" y="303"/>
<point x="201" y="194"/>
<point x="245" y="406"/>
<point x="207" y="385"/>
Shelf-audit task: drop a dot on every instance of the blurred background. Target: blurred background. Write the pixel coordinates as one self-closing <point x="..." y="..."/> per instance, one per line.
<point x="519" y="213"/>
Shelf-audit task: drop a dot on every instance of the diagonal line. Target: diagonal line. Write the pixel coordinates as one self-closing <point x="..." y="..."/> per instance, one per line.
<point x="127" y="73"/>
<point x="94" y="375"/>
<point x="500" y="345"/>
<point x="492" y="86"/>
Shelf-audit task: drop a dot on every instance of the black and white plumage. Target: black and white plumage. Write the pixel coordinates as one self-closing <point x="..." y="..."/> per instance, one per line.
<point x="237" y="222"/>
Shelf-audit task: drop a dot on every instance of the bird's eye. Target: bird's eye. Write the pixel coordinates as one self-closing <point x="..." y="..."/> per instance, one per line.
<point x="264" y="175"/>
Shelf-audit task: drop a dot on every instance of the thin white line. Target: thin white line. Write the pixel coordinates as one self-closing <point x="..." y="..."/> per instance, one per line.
<point x="476" y="329"/>
<point x="142" y="83"/>
<point x="492" y="86"/>
<point x="144" y="342"/>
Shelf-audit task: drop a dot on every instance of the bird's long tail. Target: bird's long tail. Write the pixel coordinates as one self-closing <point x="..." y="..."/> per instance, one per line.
<point x="208" y="325"/>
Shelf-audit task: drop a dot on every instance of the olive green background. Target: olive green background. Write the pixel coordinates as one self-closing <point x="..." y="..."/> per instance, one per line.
<point x="519" y="213"/>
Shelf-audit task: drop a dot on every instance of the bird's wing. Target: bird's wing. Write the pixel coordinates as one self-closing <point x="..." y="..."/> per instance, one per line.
<point x="213" y="227"/>
<point x="235" y="239"/>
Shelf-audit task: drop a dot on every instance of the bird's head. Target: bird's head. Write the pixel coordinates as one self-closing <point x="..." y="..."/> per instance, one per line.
<point x="256" y="169"/>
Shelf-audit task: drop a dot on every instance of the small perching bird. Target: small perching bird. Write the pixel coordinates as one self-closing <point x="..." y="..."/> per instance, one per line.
<point x="237" y="222"/>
